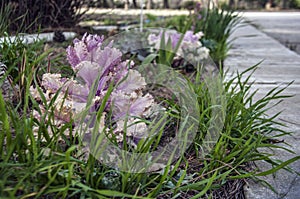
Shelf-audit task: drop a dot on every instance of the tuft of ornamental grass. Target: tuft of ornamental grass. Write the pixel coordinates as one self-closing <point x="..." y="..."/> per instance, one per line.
<point x="13" y="49"/>
<point x="247" y="128"/>
<point x="217" y="25"/>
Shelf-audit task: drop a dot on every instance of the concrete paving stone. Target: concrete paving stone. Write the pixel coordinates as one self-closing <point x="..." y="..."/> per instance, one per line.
<point x="273" y="56"/>
<point x="283" y="26"/>
<point x="294" y="190"/>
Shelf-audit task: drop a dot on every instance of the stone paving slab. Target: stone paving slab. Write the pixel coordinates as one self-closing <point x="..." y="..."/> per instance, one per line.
<point x="280" y="66"/>
<point x="283" y="26"/>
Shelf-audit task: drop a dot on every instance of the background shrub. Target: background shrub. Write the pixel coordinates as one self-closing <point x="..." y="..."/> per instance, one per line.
<point x="30" y="15"/>
<point x="295" y="4"/>
<point x="5" y="12"/>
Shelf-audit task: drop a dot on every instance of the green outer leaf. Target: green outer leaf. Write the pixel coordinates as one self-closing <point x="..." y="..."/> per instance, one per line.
<point x="5" y="126"/>
<point x="149" y="58"/>
<point x="207" y="187"/>
<point x="118" y="194"/>
<point x="282" y="165"/>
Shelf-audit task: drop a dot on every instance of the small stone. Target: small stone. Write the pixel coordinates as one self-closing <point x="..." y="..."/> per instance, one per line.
<point x="59" y="36"/>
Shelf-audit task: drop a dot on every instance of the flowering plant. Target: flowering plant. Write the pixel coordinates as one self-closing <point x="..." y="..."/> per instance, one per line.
<point x="189" y="46"/>
<point x="99" y="67"/>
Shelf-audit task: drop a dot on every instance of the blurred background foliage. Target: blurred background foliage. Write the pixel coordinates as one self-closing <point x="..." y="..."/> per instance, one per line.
<point x="32" y="15"/>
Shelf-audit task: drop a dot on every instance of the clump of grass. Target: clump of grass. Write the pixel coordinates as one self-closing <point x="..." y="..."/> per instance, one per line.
<point x="247" y="129"/>
<point x="217" y="25"/>
<point x="13" y="47"/>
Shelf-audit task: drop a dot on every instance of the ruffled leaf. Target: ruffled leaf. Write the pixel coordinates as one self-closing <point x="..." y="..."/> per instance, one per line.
<point x="133" y="81"/>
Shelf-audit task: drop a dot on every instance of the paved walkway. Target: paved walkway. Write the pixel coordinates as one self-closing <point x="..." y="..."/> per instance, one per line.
<point x="283" y="26"/>
<point x="279" y="67"/>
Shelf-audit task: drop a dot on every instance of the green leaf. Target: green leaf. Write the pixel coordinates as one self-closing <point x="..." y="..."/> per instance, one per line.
<point x="282" y="165"/>
<point x="149" y="58"/>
